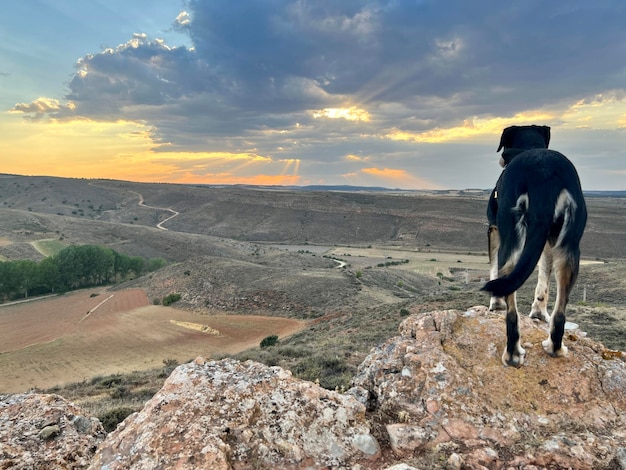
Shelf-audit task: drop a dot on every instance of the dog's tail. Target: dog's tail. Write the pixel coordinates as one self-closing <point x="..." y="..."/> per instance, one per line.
<point x="533" y="226"/>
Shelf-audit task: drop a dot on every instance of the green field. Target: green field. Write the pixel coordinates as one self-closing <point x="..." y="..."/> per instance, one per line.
<point x="48" y="247"/>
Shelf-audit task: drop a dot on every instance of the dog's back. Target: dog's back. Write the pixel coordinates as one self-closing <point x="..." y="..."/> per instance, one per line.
<point x="544" y="203"/>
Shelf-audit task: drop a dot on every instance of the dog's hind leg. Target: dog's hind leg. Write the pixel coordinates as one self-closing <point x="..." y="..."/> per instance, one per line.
<point x="566" y="272"/>
<point x="539" y="308"/>
<point x="493" y="238"/>
<point x="514" y="353"/>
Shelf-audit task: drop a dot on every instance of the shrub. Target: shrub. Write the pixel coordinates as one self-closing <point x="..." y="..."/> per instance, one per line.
<point x="107" y="382"/>
<point x="119" y="392"/>
<point x="331" y="371"/>
<point x="404" y="312"/>
<point x="269" y="341"/>
<point x="113" y="417"/>
<point x="170" y="299"/>
<point x="169" y="365"/>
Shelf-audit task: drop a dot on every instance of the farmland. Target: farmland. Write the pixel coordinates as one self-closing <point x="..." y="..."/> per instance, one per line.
<point x="71" y="338"/>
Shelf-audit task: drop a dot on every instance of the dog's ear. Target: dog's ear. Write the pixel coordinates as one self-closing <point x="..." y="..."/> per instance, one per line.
<point x="507" y="136"/>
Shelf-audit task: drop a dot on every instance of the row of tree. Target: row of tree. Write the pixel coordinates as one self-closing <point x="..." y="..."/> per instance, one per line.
<point x="71" y="268"/>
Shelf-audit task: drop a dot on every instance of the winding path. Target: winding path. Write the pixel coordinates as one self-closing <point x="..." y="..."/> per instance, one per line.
<point x="142" y="204"/>
<point x="160" y="224"/>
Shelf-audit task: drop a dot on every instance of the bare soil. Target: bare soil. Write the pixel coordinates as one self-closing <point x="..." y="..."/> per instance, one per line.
<point x="74" y="337"/>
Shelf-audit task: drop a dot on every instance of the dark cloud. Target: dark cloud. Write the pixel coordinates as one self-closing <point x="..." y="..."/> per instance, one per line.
<point x="257" y="71"/>
<point x="286" y="56"/>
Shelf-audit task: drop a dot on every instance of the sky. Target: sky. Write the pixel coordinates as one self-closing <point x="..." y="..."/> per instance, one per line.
<point x="409" y="94"/>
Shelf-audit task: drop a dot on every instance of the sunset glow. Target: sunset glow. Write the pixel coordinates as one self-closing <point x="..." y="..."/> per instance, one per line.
<point x="345" y="95"/>
<point x="349" y="114"/>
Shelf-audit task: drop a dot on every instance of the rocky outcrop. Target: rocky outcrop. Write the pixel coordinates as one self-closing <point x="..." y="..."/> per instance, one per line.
<point x="442" y="395"/>
<point x="45" y="432"/>
<point x="436" y="396"/>
<point x="226" y="414"/>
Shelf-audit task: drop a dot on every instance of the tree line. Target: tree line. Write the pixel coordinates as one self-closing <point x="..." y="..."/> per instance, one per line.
<point x="73" y="267"/>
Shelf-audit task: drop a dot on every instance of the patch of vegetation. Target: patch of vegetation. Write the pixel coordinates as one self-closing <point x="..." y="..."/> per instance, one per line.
<point x="72" y="267"/>
<point x="111" y="418"/>
<point x="168" y="367"/>
<point x="269" y="341"/>
<point x="170" y="299"/>
<point x="330" y="371"/>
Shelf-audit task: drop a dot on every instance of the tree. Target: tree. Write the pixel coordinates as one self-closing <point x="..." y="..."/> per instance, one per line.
<point x="49" y="273"/>
<point x="7" y="280"/>
<point x="70" y="267"/>
<point x="137" y="264"/>
<point x="26" y="275"/>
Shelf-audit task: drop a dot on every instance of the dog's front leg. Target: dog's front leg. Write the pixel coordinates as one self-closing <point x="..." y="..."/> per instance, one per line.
<point x="493" y="239"/>
<point x="514" y="353"/>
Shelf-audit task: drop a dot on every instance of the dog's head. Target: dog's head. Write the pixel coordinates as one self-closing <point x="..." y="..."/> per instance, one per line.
<point x="520" y="138"/>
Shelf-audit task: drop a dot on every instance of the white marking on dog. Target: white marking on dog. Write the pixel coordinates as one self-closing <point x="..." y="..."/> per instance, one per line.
<point x="565" y="206"/>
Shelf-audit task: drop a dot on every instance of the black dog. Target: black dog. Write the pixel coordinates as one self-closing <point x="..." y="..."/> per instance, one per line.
<point x="537" y="214"/>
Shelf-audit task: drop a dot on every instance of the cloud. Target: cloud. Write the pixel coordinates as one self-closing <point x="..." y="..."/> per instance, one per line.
<point x="315" y="81"/>
<point x="41" y="107"/>
<point x="288" y="56"/>
<point x="399" y="178"/>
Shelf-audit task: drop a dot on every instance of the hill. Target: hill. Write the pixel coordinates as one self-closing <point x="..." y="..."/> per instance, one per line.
<point x="349" y="264"/>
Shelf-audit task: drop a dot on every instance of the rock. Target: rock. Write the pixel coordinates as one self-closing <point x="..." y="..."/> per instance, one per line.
<point x="401" y="466"/>
<point x="49" y="432"/>
<point x="620" y="458"/>
<point x="441" y="390"/>
<point x="435" y="396"/>
<point x="245" y="415"/>
<point x="45" y="432"/>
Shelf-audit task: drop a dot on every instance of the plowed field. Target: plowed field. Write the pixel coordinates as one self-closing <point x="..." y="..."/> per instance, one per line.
<point x="76" y="336"/>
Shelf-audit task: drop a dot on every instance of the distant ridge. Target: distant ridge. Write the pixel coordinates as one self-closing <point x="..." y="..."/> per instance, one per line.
<point x="605" y="193"/>
<point x="315" y="187"/>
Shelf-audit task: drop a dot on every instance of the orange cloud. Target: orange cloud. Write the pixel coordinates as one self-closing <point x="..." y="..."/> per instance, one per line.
<point x="229" y="178"/>
<point x="392" y="177"/>
<point x="390" y="173"/>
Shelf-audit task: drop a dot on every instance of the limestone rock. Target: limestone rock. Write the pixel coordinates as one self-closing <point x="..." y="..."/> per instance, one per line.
<point x="46" y="432"/>
<point x="227" y="414"/>
<point x="441" y="390"/>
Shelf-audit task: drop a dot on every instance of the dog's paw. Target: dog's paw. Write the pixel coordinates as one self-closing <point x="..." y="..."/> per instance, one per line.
<point x="514" y="360"/>
<point x="539" y="315"/>
<point x="548" y="347"/>
<point x="497" y="303"/>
